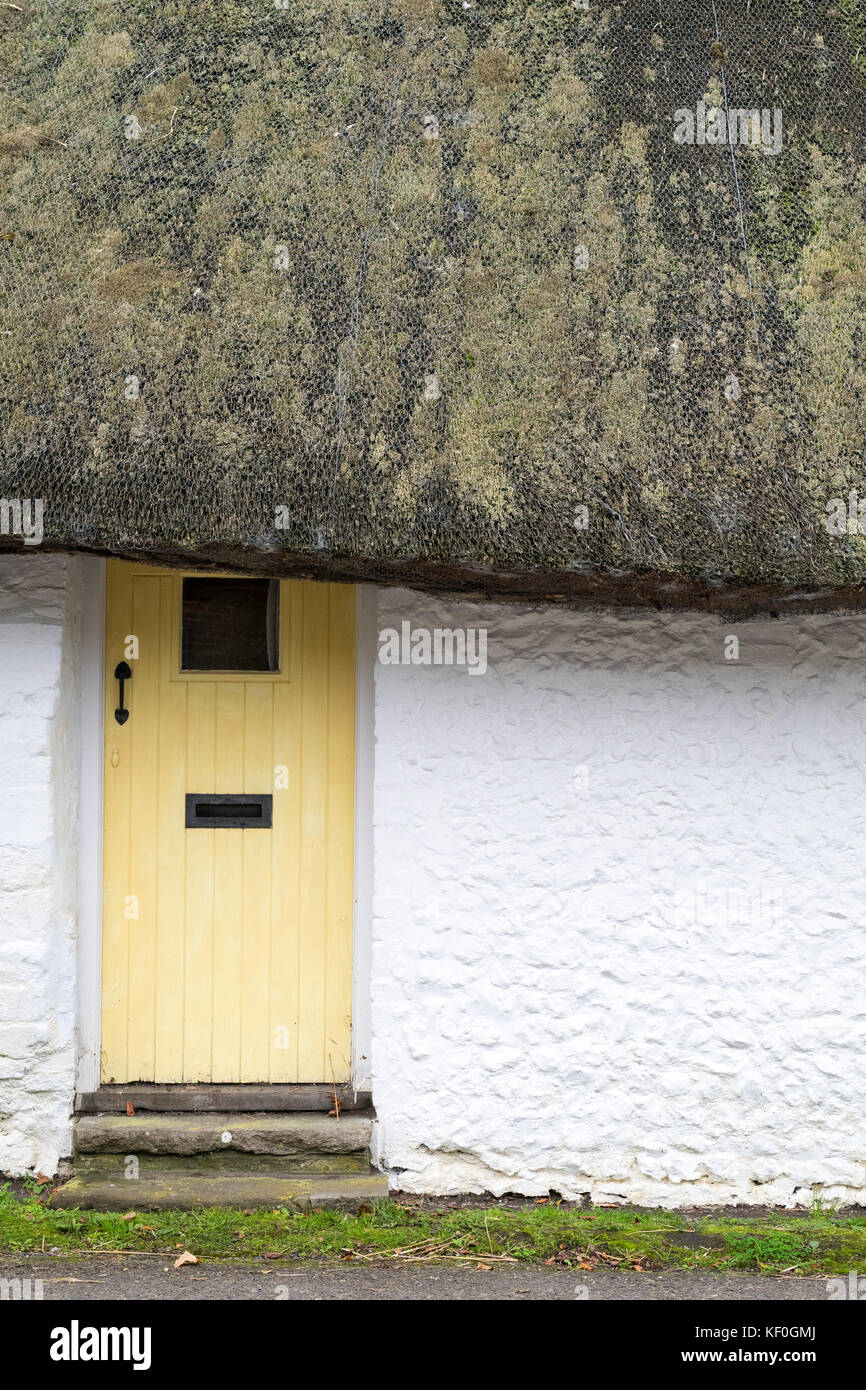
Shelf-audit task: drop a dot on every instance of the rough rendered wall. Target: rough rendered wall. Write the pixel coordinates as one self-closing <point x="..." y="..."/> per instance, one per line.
<point x="39" y="603"/>
<point x="619" y="934"/>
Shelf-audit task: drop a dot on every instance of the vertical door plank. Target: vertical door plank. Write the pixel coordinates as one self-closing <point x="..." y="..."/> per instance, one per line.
<point x="144" y="723"/>
<point x="199" y="888"/>
<point x="228" y="886"/>
<point x="340" y="774"/>
<point x="286" y="859"/>
<point x="171" y="843"/>
<point x="312" y="1062"/>
<point x="118" y="783"/>
<point x="255" y="927"/>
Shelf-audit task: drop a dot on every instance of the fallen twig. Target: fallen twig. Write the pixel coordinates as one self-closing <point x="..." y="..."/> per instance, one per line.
<point x="430" y="1250"/>
<point x="336" y="1110"/>
<point x="170" y="130"/>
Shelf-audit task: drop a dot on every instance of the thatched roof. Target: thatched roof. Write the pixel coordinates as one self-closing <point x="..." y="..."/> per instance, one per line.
<point x="398" y="287"/>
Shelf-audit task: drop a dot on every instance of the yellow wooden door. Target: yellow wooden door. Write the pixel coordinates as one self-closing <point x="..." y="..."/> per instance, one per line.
<point x="227" y="952"/>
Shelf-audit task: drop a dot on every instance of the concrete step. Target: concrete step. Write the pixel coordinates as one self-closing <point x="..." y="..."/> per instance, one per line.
<point x="183" y="1191"/>
<point x="116" y="1165"/>
<point x="190" y="1133"/>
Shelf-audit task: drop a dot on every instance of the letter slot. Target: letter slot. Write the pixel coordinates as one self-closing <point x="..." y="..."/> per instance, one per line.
<point x="234" y="811"/>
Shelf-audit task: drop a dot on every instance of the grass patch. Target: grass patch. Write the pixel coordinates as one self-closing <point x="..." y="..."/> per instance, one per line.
<point x="548" y="1232"/>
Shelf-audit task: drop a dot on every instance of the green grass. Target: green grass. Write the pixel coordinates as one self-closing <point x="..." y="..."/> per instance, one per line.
<point x="812" y="1243"/>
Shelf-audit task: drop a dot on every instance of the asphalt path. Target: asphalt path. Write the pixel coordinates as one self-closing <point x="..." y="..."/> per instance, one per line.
<point x="98" y="1277"/>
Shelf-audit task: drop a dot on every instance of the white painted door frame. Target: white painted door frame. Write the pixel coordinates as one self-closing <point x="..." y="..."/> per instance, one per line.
<point x="91" y="686"/>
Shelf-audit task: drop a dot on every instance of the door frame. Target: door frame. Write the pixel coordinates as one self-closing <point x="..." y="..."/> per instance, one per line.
<point x="91" y="729"/>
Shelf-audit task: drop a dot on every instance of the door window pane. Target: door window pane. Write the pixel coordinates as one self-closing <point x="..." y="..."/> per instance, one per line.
<point x="230" y="625"/>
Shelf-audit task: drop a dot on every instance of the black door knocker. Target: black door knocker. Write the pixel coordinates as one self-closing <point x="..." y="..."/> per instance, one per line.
<point x="122" y="673"/>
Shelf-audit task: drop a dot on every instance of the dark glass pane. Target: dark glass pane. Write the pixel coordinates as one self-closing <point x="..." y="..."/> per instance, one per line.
<point x="230" y="625"/>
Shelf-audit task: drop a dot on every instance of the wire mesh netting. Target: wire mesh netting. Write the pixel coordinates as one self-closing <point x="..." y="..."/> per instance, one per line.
<point x="564" y="285"/>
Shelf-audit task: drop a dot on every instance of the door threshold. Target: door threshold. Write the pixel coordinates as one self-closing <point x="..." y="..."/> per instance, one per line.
<point x="249" y="1097"/>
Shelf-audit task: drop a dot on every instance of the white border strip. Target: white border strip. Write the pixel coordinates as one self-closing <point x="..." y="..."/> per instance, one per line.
<point x="91" y="743"/>
<point x="365" y="665"/>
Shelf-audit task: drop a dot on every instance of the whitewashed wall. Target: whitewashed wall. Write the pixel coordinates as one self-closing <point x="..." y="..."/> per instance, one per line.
<point x="619" y="920"/>
<point x="39" y="624"/>
<point x="619" y="936"/>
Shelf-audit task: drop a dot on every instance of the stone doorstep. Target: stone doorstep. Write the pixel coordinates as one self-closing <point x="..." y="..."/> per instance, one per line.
<point x="207" y="1165"/>
<point x="95" y="1192"/>
<point x="204" y="1159"/>
<point x="194" y="1133"/>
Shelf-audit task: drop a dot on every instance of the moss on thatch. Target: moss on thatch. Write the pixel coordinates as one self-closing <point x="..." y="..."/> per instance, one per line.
<point x="412" y="282"/>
